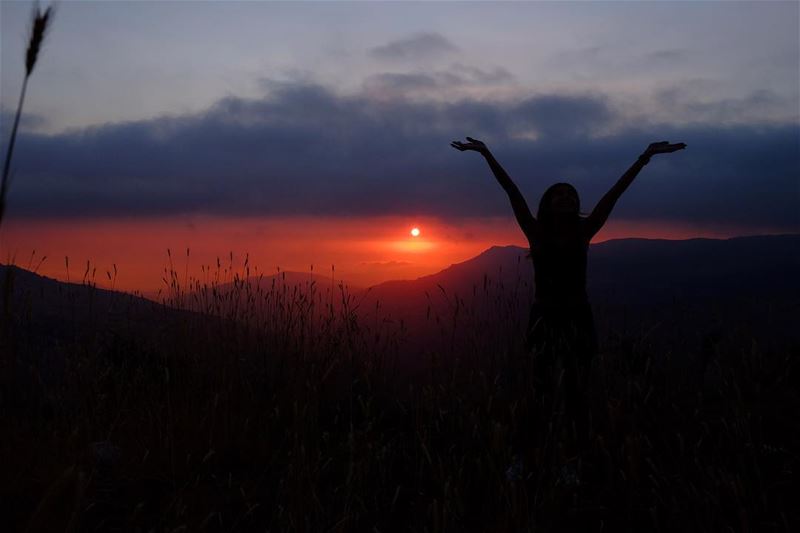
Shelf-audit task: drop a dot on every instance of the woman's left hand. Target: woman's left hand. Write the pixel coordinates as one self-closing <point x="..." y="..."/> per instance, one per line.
<point x="663" y="147"/>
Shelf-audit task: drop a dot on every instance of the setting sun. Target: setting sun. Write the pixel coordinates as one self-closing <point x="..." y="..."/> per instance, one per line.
<point x="415" y="232"/>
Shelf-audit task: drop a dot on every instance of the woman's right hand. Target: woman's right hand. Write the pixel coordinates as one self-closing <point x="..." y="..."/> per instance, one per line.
<point x="472" y="144"/>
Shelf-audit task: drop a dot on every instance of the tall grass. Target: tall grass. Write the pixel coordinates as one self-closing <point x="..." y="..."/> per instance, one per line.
<point x="269" y="406"/>
<point x="39" y="27"/>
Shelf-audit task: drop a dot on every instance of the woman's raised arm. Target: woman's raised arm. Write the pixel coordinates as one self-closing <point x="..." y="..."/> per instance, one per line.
<point x="523" y="214"/>
<point x="603" y="208"/>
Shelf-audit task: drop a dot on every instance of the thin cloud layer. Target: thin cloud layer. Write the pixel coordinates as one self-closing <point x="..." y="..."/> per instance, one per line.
<point x="419" y="45"/>
<point x="27" y="121"/>
<point x="305" y="150"/>
<point x="457" y="76"/>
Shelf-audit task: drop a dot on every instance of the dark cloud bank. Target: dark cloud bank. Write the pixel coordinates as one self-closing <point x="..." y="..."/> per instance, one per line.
<point x="305" y="150"/>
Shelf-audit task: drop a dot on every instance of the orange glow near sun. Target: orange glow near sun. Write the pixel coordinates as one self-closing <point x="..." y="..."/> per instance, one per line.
<point x="364" y="250"/>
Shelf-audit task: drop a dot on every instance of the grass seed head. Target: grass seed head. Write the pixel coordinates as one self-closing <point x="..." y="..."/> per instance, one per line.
<point x="40" y="21"/>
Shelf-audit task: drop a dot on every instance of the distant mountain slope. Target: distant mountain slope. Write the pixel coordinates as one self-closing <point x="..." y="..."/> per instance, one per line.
<point x="749" y="264"/>
<point x="763" y="265"/>
<point x="752" y="279"/>
<point x="27" y="287"/>
<point x="52" y="311"/>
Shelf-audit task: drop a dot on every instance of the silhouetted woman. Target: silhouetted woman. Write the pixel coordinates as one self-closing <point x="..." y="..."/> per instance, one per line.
<point x="561" y="328"/>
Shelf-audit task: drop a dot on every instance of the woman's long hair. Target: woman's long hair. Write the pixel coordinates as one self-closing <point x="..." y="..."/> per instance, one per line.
<point x="545" y="214"/>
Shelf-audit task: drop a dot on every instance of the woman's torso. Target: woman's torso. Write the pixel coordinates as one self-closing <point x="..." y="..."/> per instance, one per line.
<point x="561" y="315"/>
<point x="559" y="262"/>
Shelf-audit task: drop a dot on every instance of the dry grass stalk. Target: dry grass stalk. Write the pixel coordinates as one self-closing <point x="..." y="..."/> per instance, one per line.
<point x="41" y="20"/>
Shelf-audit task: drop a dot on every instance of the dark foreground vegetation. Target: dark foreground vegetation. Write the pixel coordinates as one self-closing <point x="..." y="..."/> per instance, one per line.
<point x="273" y="408"/>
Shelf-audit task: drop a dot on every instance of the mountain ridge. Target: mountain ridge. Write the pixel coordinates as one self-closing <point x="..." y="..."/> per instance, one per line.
<point x="683" y="288"/>
<point x="496" y="256"/>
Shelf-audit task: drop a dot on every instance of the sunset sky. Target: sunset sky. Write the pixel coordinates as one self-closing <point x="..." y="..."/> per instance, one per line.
<point x="318" y="133"/>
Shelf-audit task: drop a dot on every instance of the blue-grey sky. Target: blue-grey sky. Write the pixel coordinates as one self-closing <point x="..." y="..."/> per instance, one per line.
<point x="334" y="108"/>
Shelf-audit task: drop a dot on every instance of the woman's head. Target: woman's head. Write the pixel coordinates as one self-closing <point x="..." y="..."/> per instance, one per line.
<point x="559" y="201"/>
